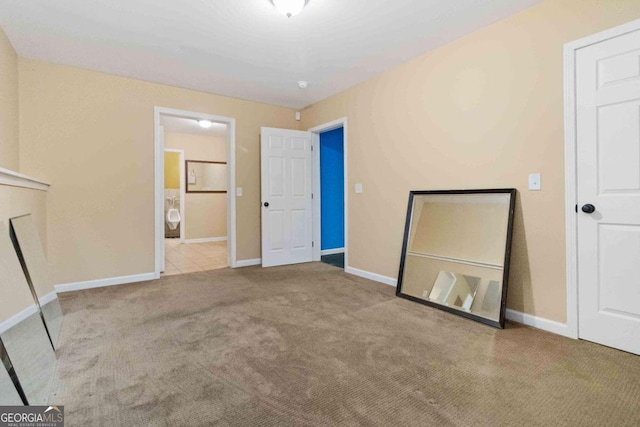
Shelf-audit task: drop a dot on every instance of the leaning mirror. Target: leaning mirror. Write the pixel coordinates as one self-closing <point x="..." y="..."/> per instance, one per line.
<point x="25" y="346"/>
<point x="456" y="250"/>
<point x="206" y="177"/>
<point x="30" y="251"/>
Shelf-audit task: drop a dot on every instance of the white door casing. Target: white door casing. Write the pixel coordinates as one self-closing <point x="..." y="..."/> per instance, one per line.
<point x="608" y="177"/>
<point x="317" y="212"/>
<point x="162" y="259"/>
<point x="159" y="182"/>
<point x="287" y="228"/>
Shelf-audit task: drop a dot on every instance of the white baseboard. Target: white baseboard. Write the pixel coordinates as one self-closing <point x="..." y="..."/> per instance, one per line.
<point x="205" y="240"/>
<point x="332" y="251"/>
<point x="538" y="322"/>
<point x="48" y="298"/>
<point x="515" y="316"/>
<point x="372" y="276"/>
<point x="249" y="262"/>
<point x="14" y="320"/>
<point x="113" y="281"/>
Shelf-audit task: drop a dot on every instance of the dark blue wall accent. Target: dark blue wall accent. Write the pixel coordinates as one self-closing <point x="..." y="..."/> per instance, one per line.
<point x="332" y="188"/>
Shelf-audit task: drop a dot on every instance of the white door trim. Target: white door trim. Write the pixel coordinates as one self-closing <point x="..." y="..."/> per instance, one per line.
<point x="182" y="189"/>
<point x="315" y="141"/>
<point x="159" y="182"/>
<point x="570" y="156"/>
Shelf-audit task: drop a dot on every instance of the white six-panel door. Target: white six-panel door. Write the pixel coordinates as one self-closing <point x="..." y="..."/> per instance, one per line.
<point x="287" y="227"/>
<point x="608" y="172"/>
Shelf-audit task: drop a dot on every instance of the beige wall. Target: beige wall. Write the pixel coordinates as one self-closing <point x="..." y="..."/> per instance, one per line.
<point x="205" y="214"/>
<point x="14" y="201"/>
<point x="77" y="124"/>
<point x="8" y="104"/>
<point x="481" y="112"/>
<point x="14" y="290"/>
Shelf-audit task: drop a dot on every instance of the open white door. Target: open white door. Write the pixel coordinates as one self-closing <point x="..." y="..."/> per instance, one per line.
<point x="608" y="172"/>
<point x="287" y="227"/>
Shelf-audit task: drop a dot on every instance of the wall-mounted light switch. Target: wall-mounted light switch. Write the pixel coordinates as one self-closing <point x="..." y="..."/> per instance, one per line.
<point x="358" y="188"/>
<point x="239" y="191"/>
<point x="534" y="182"/>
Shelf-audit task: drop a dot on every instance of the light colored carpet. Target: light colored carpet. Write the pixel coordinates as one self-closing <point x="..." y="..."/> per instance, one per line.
<point x="310" y="345"/>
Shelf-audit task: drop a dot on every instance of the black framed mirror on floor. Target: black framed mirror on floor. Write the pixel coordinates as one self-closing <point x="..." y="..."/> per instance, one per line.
<point x="456" y="252"/>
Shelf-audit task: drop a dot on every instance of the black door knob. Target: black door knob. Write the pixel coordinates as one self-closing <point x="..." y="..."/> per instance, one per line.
<point x="266" y="204"/>
<point x="588" y="208"/>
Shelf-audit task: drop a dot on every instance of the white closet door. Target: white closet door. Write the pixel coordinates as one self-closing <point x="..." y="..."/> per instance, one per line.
<point x="608" y="132"/>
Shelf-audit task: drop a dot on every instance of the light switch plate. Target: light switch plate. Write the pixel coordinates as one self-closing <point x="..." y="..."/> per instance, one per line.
<point x="358" y="188"/>
<point x="239" y="191"/>
<point x="534" y="182"/>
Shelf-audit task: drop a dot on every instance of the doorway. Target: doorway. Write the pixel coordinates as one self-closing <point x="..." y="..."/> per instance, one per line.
<point x="202" y="200"/>
<point x="174" y="196"/>
<point x="330" y="224"/>
<point x="331" y="196"/>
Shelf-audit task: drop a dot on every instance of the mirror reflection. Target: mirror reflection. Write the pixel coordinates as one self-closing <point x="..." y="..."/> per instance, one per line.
<point x="206" y="177"/>
<point x="32" y="357"/>
<point x="8" y="392"/>
<point x="30" y="251"/>
<point x="455" y="254"/>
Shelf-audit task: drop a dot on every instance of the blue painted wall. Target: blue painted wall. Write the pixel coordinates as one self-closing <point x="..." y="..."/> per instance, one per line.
<point x="332" y="188"/>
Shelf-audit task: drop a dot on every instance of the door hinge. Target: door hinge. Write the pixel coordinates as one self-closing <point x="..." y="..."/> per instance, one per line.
<point x="576" y="208"/>
<point x="312" y="244"/>
<point x="312" y="148"/>
<point x="312" y="197"/>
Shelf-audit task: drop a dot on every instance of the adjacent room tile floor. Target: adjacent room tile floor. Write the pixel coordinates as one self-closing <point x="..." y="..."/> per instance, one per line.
<point x="188" y="258"/>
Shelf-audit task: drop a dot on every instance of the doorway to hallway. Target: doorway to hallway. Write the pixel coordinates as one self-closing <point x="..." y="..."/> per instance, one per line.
<point x="331" y="148"/>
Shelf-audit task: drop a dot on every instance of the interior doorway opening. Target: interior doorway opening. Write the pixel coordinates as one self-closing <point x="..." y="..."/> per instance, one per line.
<point x="330" y="188"/>
<point x="332" y="197"/>
<point x="195" y="204"/>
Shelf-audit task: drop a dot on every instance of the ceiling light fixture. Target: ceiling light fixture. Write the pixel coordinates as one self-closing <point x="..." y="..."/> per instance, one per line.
<point x="289" y="8"/>
<point x="303" y="84"/>
<point x="205" y="123"/>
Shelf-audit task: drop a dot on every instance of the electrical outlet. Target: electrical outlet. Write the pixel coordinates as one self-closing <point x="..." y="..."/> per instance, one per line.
<point x="358" y="188"/>
<point x="239" y="191"/>
<point x="425" y="294"/>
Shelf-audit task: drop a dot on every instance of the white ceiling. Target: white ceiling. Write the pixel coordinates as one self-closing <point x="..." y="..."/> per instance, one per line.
<point x="244" y="48"/>
<point x="182" y="125"/>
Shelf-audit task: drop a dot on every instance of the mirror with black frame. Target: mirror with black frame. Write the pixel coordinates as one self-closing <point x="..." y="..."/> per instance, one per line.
<point x="456" y="251"/>
<point x="206" y="176"/>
